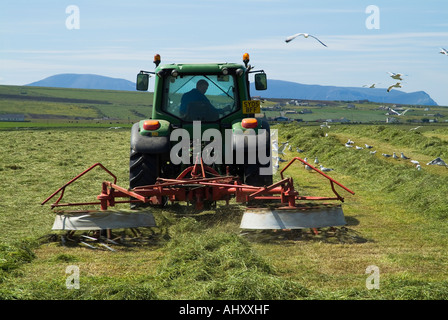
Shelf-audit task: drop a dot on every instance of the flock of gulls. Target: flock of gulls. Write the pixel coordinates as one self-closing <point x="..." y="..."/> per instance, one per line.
<point x="278" y="151"/>
<point x="395" y="76"/>
<point x="436" y="161"/>
<point x="350" y="144"/>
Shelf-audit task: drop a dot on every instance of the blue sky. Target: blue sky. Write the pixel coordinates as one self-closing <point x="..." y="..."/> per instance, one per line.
<point x="120" y="38"/>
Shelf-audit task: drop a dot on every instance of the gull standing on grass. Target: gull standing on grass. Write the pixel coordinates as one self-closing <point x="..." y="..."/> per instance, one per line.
<point x="403" y="156"/>
<point x="306" y="35"/>
<point x="322" y="168"/>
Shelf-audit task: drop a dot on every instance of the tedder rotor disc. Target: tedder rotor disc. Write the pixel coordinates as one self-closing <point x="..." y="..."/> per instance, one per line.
<point x="319" y="216"/>
<point x="101" y="220"/>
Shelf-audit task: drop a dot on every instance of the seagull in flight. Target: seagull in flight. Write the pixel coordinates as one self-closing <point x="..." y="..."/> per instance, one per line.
<point x="398" y="113"/>
<point x="397" y="85"/>
<point x="306" y="35"/>
<point x="438" y="162"/>
<point x="281" y="149"/>
<point x="370" y="86"/>
<point x="444" y="51"/>
<point x="396" y="76"/>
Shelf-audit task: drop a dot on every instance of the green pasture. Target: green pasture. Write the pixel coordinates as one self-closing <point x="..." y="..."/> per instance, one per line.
<point x="396" y="221"/>
<point x="61" y="105"/>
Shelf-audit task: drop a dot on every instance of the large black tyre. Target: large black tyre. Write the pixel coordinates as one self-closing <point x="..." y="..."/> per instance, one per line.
<point x="143" y="169"/>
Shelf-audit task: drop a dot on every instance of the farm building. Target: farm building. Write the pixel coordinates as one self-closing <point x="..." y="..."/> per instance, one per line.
<point x="12" y="117"/>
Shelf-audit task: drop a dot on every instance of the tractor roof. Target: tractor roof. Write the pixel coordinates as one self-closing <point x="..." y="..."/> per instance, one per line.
<point x="200" y="67"/>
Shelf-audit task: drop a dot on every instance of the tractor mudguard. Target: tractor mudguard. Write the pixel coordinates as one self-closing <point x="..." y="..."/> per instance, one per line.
<point x="148" y="144"/>
<point x="240" y="134"/>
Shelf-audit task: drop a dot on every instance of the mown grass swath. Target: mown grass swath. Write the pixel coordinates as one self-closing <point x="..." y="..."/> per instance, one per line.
<point x="396" y="221"/>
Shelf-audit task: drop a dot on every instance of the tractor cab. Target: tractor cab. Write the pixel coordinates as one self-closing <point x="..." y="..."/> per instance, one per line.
<point x="202" y="92"/>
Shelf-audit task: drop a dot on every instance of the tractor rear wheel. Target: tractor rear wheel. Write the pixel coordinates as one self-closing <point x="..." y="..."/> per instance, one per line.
<point x="143" y="169"/>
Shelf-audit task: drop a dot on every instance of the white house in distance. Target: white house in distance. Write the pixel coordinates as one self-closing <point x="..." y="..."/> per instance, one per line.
<point x="16" y="117"/>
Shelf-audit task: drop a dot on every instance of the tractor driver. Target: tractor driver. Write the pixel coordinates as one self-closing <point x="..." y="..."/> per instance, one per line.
<point x="196" y="106"/>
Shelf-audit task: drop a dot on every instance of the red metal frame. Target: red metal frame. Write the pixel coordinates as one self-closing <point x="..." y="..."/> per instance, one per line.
<point x="197" y="189"/>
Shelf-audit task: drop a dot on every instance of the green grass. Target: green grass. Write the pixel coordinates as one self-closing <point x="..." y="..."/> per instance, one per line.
<point x="396" y="221"/>
<point x="40" y="104"/>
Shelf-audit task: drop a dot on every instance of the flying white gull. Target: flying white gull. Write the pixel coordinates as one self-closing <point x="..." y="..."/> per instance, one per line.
<point x="398" y="113"/>
<point x="397" y="85"/>
<point x="280" y="150"/>
<point x="438" y="162"/>
<point x="396" y="76"/>
<point x="443" y="51"/>
<point x="371" y="86"/>
<point x="306" y="35"/>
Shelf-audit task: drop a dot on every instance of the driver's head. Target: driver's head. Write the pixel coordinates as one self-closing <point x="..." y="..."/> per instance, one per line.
<point x="202" y="86"/>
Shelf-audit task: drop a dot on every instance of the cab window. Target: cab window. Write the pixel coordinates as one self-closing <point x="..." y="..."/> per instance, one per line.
<point x="200" y="97"/>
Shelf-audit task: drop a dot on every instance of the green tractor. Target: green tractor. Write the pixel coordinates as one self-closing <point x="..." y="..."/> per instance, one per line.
<point x="201" y="112"/>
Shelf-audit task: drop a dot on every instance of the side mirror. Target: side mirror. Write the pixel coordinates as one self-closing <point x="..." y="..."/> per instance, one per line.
<point x="261" y="82"/>
<point x="142" y="81"/>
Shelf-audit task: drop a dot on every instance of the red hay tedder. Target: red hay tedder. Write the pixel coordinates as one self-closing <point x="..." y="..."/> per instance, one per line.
<point x="277" y="206"/>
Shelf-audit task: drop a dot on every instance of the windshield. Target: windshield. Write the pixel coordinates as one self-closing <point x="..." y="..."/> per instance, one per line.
<point x="200" y="97"/>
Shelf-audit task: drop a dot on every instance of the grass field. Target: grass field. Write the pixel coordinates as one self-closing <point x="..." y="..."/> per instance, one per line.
<point x="396" y="221"/>
<point x="67" y="106"/>
<point x="95" y="108"/>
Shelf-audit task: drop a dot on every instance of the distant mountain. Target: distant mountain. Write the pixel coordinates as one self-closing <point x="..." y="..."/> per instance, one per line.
<point x="292" y="90"/>
<point x="85" y="81"/>
<point x="276" y="89"/>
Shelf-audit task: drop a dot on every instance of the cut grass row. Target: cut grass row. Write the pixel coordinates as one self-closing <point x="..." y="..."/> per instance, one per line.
<point x="392" y="223"/>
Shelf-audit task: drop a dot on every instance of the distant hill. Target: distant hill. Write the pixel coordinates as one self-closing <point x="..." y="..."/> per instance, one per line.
<point x="276" y="89"/>
<point x="292" y="90"/>
<point x="85" y="81"/>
